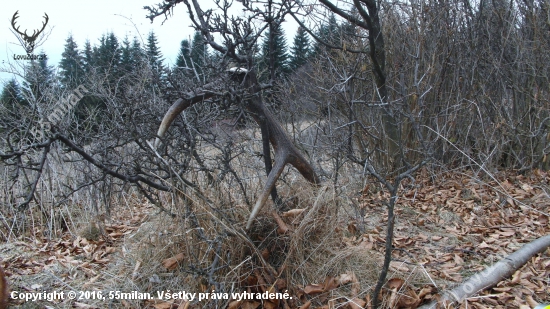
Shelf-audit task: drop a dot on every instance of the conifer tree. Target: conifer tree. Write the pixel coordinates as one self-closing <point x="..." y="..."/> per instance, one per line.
<point x="300" y="49"/>
<point x="11" y="103"/>
<point x="138" y="55"/>
<point x="131" y="55"/>
<point x="103" y="59"/>
<point x="199" y="52"/>
<point x="154" y="56"/>
<point x="184" y="56"/>
<point x="126" y="62"/>
<point x="108" y="55"/>
<point x="332" y="33"/>
<point x="11" y="95"/>
<point x="274" y="54"/>
<point x="153" y="53"/>
<point x="329" y="33"/>
<point x="71" y="65"/>
<point x="88" y="57"/>
<point x="39" y="78"/>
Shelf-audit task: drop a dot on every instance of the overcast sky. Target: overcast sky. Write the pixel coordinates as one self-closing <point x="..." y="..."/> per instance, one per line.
<point x="88" y="20"/>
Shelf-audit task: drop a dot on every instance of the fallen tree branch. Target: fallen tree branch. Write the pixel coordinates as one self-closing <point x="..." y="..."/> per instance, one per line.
<point x="493" y="275"/>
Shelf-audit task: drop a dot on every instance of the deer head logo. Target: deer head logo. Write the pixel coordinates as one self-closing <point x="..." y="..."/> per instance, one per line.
<point x="28" y="41"/>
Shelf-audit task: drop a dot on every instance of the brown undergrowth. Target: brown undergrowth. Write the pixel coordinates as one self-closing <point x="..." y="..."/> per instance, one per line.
<point x="449" y="226"/>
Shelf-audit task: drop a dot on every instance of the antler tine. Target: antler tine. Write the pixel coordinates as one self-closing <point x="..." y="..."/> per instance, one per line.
<point x="47" y="18"/>
<point x="13" y="22"/>
<point x="36" y="32"/>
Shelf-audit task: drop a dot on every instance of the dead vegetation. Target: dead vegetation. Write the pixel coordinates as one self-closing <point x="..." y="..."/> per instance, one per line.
<point x="449" y="226"/>
<point x="92" y="206"/>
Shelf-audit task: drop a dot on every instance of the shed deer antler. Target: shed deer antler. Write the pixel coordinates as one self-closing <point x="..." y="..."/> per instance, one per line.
<point x="285" y="151"/>
<point x="30" y="40"/>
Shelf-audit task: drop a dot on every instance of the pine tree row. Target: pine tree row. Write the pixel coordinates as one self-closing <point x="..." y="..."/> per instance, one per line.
<point x="116" y="59"/>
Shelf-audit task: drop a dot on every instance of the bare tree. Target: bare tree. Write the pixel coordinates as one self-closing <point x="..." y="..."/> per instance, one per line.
<point x="369" y="20"/>
<point x="238" y="36"/>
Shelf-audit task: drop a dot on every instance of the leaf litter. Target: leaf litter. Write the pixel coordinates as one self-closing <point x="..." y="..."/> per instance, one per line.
<point x="446" y="230"/>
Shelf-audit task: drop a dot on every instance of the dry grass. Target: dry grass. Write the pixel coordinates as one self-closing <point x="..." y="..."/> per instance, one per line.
<point x="340" y="231"/>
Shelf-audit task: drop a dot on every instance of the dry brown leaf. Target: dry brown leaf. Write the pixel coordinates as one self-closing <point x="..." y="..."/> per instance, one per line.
<point x="280" y="284"/>
<point x="293" y="212"/>
<point x="234" y="304"/>
<point x="395" y="283"/>
<point x="172" y="263"/>
<point x="184" y="305"/>
<point x="314" y="289"/>
<point x="493" y="302"/>
<point x="507" y="233"/>
<point x="516" y="277"/>
<point x="543" y="220"/>
<point x="408" y="300"/>
<point x="484" y="245"/>
<point x="268" y="305"/>
<point x="423" y="237"/>
<point x="345" y="278"/>
<point x="530" y="301"/>
<point x="479" y="306"/>
<point x="283" y="228"/>
<point x="357" y="303"/>
<point x="392" y="302"/>
<point x="458" y="260"/>
<point x="366" y="244"/>
<point x="116" y="234"/>
<point x="91" y="281"/>
<point x="428" y="290"/>
<point x="330" y="283"/>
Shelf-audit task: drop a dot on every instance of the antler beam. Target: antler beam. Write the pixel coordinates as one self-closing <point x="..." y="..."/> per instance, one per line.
<point x="285" y="151"/>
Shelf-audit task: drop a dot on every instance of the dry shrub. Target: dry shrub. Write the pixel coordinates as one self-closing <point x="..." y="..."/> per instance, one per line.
<point x="202" y="237"/>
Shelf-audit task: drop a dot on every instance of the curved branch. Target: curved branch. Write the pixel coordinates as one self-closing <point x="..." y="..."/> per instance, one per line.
<point x="494" y="274"/>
